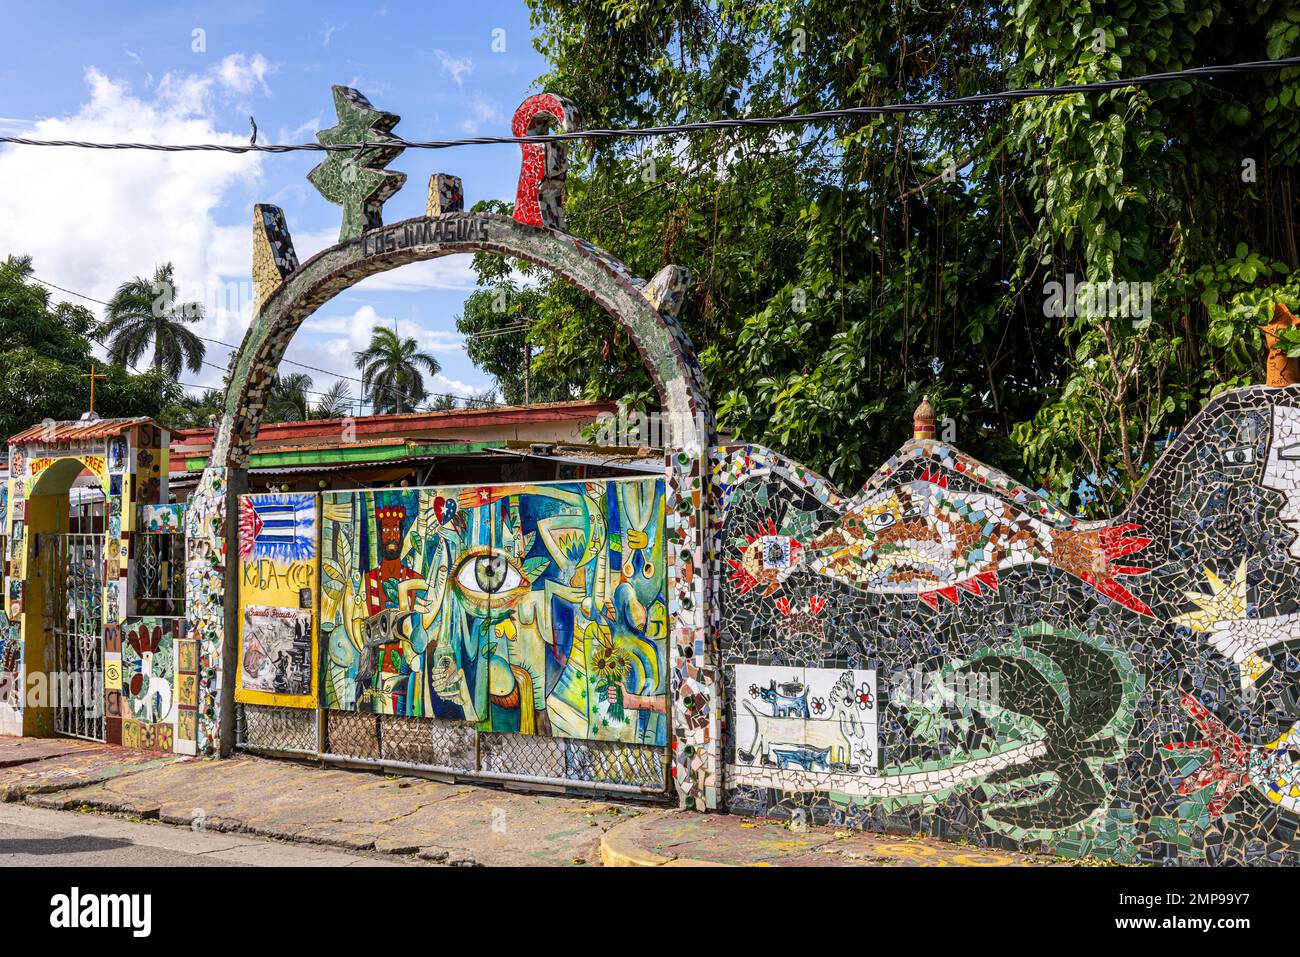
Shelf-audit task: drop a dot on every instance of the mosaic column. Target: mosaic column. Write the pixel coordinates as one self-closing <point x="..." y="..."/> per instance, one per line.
<point x="205" y="586"/>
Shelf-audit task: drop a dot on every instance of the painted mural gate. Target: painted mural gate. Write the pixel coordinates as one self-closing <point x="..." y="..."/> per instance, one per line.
<point x="395" y="711"/>
<point x="947" y="652"/>
<point x="516" y="631"/>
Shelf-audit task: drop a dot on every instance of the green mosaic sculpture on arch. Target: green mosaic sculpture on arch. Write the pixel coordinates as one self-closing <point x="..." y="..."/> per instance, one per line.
<point x="356" y="179"/>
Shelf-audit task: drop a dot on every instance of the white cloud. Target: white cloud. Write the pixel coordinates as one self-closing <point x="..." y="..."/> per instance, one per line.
<point x="302" y="133"/>
<point x="328" y="32"/>
<point x="441" y="384"/>
<point x="93" y="219"/>
<point x="482" y="112"/>
<point x="242" y="74"/>
<point x="329" y="342"/>
<point x="14" y="126"/>
<point x="457" y="67"/>
<point x="352" y="333"/>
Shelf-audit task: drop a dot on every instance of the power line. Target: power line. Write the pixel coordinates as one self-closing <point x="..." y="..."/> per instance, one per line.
<point x="789" y="119"/>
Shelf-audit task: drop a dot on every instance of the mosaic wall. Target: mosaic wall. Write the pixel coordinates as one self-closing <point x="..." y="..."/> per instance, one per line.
<point x="530" y="609"/>
<point x="278" y="580"/>
<point x="205" y="589"/>
<point x="949" y="652"/>
<point x="154" y="688"/>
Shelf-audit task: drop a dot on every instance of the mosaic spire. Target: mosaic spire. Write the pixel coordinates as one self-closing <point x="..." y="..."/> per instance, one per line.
<point x="356" y="179"/>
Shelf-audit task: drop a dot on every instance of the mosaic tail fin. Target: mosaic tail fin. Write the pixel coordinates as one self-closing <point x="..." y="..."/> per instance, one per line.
<point x="1095" y="556"/>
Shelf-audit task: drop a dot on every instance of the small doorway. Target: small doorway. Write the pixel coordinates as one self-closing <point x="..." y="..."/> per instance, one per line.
<point x="74" y="582"/>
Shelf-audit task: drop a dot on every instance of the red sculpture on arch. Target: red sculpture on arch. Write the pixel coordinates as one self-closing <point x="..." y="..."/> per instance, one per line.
<point x="540" y="198"/>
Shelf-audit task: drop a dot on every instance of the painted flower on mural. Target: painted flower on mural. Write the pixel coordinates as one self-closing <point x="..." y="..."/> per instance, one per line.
<point x="611" y="666"/>
<point x="864" y="698"/>
<point x="818" y="704"/>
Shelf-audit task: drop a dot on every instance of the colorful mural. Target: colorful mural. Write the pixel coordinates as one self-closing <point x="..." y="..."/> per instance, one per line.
<point x="162" y="519"/>
<point x="151" y="688"/>
<point x="1126" y="688"/>
<point x="279" y="576"/>
<point x="536" y="609"/>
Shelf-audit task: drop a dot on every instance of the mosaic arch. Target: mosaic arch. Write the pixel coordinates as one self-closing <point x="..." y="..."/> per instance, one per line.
<point x="287" y="292"/>
<point x="949" y="652"/>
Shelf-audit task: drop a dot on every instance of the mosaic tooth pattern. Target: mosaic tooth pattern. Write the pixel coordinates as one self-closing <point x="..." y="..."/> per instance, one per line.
<point x="1127" y="688"/>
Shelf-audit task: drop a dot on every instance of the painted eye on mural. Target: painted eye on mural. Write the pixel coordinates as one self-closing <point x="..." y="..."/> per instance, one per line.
<point x="1239" y="456"/>
<point x="883" y="520"/>
<point x="489" y="574"/>
<point x="485" y="576"/>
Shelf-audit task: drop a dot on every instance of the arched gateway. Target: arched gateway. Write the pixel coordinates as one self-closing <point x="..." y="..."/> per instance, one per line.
<point x="287" y="293"/>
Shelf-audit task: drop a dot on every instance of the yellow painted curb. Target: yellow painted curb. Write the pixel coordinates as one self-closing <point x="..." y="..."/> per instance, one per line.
<point x="618" y="851"/>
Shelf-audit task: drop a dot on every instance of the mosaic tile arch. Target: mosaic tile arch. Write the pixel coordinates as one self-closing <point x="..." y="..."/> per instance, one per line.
<point x="288" y="292"/>
<point x="647" y="310"/>
<point x="949" y="652"/>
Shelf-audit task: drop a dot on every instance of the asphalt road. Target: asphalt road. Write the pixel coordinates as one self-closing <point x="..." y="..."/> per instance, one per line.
<point x="36" y="837"/>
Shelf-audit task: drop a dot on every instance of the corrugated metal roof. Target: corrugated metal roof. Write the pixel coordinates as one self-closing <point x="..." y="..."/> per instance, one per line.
<point x="78" y="430"/>
<point x="636" y="463"/>
<point x="192" y="478"/>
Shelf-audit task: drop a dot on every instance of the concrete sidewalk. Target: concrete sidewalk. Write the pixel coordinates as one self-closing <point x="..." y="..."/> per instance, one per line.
<point x="45" y="765"/>
<point x="426" y="820"/>
<point x="727" y="840"/>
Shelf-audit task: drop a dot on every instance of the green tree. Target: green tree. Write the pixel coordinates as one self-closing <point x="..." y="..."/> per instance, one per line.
<point x="45" y="354"/>
<point x="335" y="403"/>
<point x="843" y="269"/>
<point x="1189" y="187"/>
<point x="145" y="311"/>
<point x="287" y="399"/>
<point x="496" y="324"/>
<point x="192" y="411"/>
<point x="392" y="371"/>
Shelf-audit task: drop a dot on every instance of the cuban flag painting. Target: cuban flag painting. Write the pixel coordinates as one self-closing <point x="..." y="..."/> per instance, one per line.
<point x="279" y="527"/>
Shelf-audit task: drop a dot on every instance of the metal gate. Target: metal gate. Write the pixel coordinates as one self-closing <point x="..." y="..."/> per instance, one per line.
<point x="74" y="603"/>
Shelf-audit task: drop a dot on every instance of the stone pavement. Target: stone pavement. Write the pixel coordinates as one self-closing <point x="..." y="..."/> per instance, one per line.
<point x="43" y="765"/>
<point x="728" y="840"/>
<point x="430" y="821"/>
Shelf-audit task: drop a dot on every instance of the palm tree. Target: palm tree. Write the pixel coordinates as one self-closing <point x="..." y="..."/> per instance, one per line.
<point x="144" y="311"/>
<point x="286" y="400"/>
<point x="336" y="403"/>
<point x="201" y="409"/>
<point x="390" y="371"/>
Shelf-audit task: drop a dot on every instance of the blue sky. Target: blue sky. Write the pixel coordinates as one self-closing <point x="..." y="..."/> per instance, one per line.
<point x="96" y="71"/>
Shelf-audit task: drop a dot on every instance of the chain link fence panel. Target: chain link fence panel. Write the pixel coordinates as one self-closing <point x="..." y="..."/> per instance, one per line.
<point x="270" y="728"/>
<point x="450" y="746"/>
<point x="353" y="734"/>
